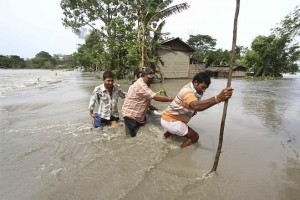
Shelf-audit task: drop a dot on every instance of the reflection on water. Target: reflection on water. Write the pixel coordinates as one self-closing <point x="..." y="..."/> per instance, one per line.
<point x="49" y="150"/>
<point x="264" y="99"/>
<point x="292" y="177"/>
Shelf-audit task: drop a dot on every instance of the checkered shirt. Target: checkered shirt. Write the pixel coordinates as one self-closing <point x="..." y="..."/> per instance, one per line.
<point x="137" y="101"/>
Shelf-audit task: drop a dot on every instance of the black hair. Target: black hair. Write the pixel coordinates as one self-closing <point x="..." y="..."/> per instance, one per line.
<point x="139" y="74"/>
<point x="142" y="74"/>
<point x="108" y="74"/>
<point x="202" y="77"/>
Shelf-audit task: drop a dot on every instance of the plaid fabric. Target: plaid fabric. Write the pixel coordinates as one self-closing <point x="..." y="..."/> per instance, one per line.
<point x="179" y="109"/>
<point x="108" y="105"/>
<point x="137" y="101"/>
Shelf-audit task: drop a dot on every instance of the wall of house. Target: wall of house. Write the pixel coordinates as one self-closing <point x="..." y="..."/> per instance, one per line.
<point x="222" y="74"/>
<point x="176" y="64"/>
<point x="238" y="73"/>
<point x="196" y="68"/>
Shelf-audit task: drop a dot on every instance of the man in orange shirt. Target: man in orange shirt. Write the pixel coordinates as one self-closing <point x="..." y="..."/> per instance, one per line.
<point x="186" y="104"/>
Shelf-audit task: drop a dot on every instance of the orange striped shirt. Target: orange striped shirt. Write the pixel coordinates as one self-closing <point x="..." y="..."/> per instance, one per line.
<point x="179" y="108"/>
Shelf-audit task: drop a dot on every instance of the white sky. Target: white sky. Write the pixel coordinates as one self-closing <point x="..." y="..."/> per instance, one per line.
<point x="30" y="26"/>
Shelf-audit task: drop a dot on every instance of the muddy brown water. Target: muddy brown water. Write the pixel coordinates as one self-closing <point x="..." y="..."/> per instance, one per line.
<point x="49" y="149"/>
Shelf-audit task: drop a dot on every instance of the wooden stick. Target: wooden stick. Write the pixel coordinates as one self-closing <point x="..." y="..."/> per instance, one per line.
<point x="214" y="168"/>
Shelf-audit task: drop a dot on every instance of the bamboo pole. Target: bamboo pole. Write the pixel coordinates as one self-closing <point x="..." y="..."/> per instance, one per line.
<point x="214" y="168"/>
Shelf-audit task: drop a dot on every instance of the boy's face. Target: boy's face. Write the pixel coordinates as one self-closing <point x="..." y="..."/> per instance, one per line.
<point x="108" y="82"/>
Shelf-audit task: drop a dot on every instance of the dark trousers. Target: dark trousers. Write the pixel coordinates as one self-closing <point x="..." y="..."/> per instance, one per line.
<point x="131" y="126"/>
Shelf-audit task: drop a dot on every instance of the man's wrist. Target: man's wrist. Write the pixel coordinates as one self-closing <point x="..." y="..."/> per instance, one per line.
<point x="216" y="99"/>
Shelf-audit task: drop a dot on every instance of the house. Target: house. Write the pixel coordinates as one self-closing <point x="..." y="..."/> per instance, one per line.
<point x="223" y="71"/>
<point x="176" y="58"/>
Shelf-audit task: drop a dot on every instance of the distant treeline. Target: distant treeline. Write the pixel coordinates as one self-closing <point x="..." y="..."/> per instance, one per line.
<point x="42" y="60"/>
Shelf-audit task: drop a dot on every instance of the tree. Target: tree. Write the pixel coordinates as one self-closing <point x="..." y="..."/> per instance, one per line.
<point x="126" y="28"/>
<point x="240" y="51"/>
<point x="41" y="60"/>
<point x="151" y="13"/>
<point x="125" y="46"/>
<point x="279" y="52"/>
<point x="44" y="55"/>
<point x="271" y="56"/>
<point x="58" y="59"/>
<point x="17" y="62"/>
<point x="217" y="57"/>
<point x="206" y="52"/>
<point x="5" y="62"/>
<point x="99" y="16"/>
<point x="12" y="61"/>
<point x="289" y="26"/>
<point x="91" y="54"/>
<point x="202" y="43"/>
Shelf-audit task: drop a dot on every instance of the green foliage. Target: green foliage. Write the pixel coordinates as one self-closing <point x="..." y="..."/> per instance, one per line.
<point x="206" y="52"/>
<point x="151" y="13"/>
<point x="119" y="74"/>
<point x="277" y="53"/>
<point x="12" y="61"/>
<point x="90" y="53"/>
<point x="128" y="32"/>
<point x="271" y="56"/>
<point x="41" y="60"/>
<point x="217" y="57"/>
<point x="93" y="55"/>
<point x="43" y="55"/>
<point x="202" y="43"/>
<point x="112" y="22"/>
<point x="289" y="26"/>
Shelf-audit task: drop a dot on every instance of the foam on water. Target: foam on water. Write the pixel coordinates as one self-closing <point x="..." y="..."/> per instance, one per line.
<point x="12" y="80"/>
<point x="105" y="158"/>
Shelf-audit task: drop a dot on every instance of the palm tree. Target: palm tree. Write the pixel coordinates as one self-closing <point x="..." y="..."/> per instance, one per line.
<point x="152" y="12"/>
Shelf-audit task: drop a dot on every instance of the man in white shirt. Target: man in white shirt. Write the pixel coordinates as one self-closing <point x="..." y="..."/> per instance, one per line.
<point x="106" y="95"/>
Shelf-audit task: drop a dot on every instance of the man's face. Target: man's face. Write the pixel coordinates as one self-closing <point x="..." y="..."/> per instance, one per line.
<point x="149" y="80"/>
<point x="108" y="82"/>
<point x="200" y="87"/>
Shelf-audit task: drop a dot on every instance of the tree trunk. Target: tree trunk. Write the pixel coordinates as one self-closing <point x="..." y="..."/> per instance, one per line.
<point x="214" y="168"/>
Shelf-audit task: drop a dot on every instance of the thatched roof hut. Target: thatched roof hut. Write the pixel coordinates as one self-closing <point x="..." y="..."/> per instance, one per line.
<point x="223" y="71"/>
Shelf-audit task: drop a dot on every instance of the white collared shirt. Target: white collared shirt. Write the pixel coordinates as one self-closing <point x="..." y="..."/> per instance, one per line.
<point x="108" y="104"/>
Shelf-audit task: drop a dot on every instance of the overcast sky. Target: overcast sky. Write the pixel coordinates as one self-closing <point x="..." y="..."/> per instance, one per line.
<point x="30" y="26"/>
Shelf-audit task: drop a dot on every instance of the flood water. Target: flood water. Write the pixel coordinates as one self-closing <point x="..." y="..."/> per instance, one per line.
<point x="49" y="150"/>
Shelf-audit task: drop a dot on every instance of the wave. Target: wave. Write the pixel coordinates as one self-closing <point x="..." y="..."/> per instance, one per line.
<point x="15" y="80"/>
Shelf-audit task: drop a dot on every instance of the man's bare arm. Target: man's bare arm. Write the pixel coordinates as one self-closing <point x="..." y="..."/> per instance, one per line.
<point x="207" y="103"/>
